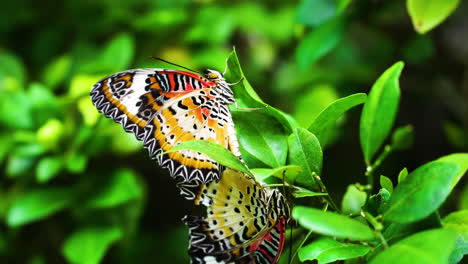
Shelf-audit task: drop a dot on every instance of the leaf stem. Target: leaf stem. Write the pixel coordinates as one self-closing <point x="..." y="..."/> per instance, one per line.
<point x="323" y="188"/>
<point x="371" y="168"/>
<point x="302" y="243"/>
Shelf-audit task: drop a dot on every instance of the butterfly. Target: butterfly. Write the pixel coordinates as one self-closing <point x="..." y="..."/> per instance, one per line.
<point x="164" y="107"/>
<point x="245" y="222"/>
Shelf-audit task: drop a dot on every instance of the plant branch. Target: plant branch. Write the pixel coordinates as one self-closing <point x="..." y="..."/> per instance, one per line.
<point x="371" y="168"/>
<point x="323" y="188"/>
<point x="302" y="243"/>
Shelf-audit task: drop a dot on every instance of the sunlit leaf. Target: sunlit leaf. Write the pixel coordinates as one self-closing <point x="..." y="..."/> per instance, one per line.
<point x="386" y="183"/>
<point x="331" y="224"/>
<point x="458" y="222"/>
<point x="461" y="160"/>
<point x="422" y="192"/>
<point x="262" y="136"/>
<point x="431" y="247"/>
<point x="353" y="200"/>
<point x="402" y="175"/>
<point x="427" y="14"/>
<point x="214" y="151"/>
<point x="327" y="250"/>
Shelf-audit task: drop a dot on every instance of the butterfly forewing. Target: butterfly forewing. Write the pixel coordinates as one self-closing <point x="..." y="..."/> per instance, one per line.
<point x="166" y="107"/>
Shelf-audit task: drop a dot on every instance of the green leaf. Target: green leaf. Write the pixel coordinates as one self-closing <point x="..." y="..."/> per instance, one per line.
<point x="81" y="84"/>
<point x="302" y="193"/>
<point x="329" y="116"/>
<point x="461" y="160"/>
<point x="37" y="204"/>
<point x="461" y="249"/>
<point x="23" y="158"/>
<point x="221" y="26"/>
<point x="17" y="165"/>
<point x="386" y="183"/>
<point x="246" y="97"/>
<point x="316" y="12"/>
<point x="305" y="151"/>
<point x="15" y="110"/>
<point x="402" y="175"/>
<point x="312" y="101"/>
<point x="327" y="250"/>
<point x="380" y="111"/>
<point x="427" y="14"/>
<point x="214" y="151"/>
<point x="289" y="172"/>
<point x="48" y="168"/>
<point x="56" y="72"/>
<point x="458" y="222"/>
<point x="89" y="245"/>
<point x="6" y="145"/>
<point x="353" y="200"/>
<point x="123" y="186"/>
<point x="50" y="133"/>
<point x="115" y="56"/>
<point x="88" y="111"/>
<point x="319" y="42"/>
<point x="262" y="136"/>
<point x="12" y="72"/>
<point x="76" y="162"/>
<point x="331" y="224"/>
<point x="403" y="138"/>
<point x="421" y="193"/>
<point x="378" y="202"/>
<point x="428" y="247"/>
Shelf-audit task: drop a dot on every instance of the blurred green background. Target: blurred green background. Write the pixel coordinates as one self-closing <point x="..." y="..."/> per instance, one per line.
<point x="74" y="185"/>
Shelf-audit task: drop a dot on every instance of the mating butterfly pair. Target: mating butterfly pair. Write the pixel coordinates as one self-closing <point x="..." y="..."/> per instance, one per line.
<point x="245" y="222"/>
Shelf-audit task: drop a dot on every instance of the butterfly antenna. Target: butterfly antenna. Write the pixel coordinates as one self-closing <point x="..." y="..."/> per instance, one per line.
<point x="226" y="68"/>
<point x="168" y="62"/>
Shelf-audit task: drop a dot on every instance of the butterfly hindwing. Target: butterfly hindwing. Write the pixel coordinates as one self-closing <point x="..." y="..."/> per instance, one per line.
<point x="166" y="107"/>
<point x="242" y="225"/>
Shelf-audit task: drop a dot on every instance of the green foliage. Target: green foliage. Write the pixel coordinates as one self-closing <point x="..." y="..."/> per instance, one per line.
<point x="38" y="204"/>
<point x="326" y="120"/>
<point x="214" y="151"/>
<point x="76" y="188"/>
<point x="326" y="250"/>
<point x="332" y="224"/>
<point x="380" y="111"/>
<point x="434" y="245"/>
<point x="305" y="151"/>
<point x="427" y="14"/>
<point x="88" y="245"/>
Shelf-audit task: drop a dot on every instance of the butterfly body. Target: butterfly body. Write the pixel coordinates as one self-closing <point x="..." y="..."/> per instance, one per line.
<point x="165" y="107"/>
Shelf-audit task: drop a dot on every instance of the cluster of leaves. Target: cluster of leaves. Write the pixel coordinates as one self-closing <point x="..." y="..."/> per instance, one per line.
<point x="379" y="228"/>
